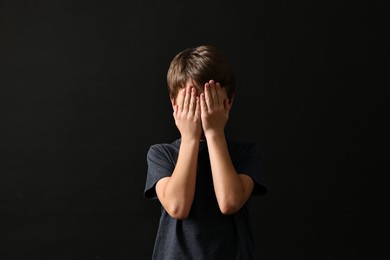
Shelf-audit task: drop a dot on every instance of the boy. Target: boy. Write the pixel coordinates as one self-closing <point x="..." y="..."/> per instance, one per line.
<point x="203" y="180"/>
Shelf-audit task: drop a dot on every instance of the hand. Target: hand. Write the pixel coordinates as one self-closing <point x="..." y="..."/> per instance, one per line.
<point x="215" y="108"/>
<point x="187" y="113"/>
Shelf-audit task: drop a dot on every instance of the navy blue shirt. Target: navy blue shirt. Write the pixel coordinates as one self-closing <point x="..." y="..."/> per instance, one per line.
<point x="206" y="233"/>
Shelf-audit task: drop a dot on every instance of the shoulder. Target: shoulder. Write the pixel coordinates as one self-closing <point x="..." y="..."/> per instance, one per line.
<point x="163" y="149"/>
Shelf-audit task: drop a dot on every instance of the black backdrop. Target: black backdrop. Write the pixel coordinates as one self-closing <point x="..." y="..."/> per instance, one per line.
<point x="83" y="96"/>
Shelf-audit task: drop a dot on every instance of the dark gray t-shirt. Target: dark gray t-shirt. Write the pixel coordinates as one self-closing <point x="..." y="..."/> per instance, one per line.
<point x="206" y="234"/>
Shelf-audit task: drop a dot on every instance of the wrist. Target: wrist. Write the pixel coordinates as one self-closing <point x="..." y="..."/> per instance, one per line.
<point x="190" y="138"/>
<point x="212" y="134"/>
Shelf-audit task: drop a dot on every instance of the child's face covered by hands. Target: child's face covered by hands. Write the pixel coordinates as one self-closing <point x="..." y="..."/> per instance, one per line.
<point x="198" y="110"/>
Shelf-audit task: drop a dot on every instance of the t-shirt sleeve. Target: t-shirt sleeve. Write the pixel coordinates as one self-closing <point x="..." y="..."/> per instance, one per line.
<point x="159" y="166"/>
<point x="251" y="163"/>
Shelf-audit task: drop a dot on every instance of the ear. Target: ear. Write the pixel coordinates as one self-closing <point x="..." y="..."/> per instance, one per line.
<point x="228" y="103"/>
<point x="172" y="102"/>
<point x="231" y="101"/>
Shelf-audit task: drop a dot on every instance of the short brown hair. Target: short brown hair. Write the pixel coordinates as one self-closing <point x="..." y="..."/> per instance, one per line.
<point x="200" y="64"/>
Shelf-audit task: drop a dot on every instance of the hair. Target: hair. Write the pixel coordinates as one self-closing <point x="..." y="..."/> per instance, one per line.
<point x="200" y="64"/>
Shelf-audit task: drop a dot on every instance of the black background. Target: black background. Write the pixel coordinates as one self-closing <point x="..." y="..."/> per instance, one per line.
<point x="83" y="96"/>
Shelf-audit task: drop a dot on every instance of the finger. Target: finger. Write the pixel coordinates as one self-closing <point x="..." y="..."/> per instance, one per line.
<point x="213" y="92"/>
<point x="218" y="93"/>
<point x="207" y="95"/>
<point x="181" y="99"/>
<point x="187" y="98"/>
<point x="192" y="104"/>
<point x="197" y="108"/>
<point x="203" y="104"/>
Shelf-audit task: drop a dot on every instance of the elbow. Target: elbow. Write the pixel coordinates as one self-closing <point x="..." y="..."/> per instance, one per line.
<point x="178" y="216"/>
<point x="228" y="208"/>
<point x="179" y="213"/>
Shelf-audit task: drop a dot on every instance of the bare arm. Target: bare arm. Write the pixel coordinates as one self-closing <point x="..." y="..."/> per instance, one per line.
<point x="176" y="193"/>
<point x="231" y="189"/>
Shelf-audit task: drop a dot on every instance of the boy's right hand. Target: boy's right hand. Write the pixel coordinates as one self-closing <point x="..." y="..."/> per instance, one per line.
<point x="186" y="112"/>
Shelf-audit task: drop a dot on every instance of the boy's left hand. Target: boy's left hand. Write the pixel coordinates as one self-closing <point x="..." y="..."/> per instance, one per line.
<point x="215" y="108"/>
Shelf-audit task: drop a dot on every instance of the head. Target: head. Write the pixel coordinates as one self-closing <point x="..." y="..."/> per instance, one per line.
<point x="198" y="65"/>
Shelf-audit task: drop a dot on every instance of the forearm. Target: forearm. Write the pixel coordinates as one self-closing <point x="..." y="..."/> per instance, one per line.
<point x="180" y="189"/>
<point x="229" y="189"/>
